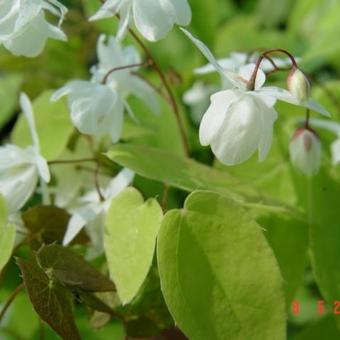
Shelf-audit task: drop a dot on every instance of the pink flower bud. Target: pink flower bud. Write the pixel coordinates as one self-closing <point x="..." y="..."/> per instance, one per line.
<point x="298" y="84"/>
<point x="305" y="151"/>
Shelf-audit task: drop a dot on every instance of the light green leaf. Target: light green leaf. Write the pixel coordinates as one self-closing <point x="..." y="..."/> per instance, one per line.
<point x="3" y="211"/>
<point x="189" y="175"/>
<point x="131" y="230"/>
<point x="7" y="235"/>
<point x="324" y="222"/>
<point x="53" y="126"/>
<point x="218" y="274"/>
<point x="7" y="238"/>
<point x="288" y="238"/>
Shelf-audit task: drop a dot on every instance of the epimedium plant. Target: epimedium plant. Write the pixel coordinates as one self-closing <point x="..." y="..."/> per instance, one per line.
<point x="105" y="208"/>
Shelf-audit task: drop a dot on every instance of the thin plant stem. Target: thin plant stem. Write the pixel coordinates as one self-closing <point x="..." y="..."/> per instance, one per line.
<point x="252" y="80"/>
<point x="307" y="119"/>
<point x="11" y="299"/>
<point x="72" y="161"/>
<point x="125" y="67"/>
<point x="164" y="81"/>
<point x="96" y="183"/>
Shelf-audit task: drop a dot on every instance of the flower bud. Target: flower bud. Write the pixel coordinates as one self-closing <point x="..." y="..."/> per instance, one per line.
<point x="298" y="84"/>
<point x="305" y="151"/>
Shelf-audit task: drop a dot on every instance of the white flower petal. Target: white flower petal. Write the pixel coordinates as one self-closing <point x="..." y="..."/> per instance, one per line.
<point x="125" y="16"/>
<point x="240" y="133"/>
<point x="119" y="183"/>
<point x="9" y="12"/>
<point x="12" y="156"/>
<point x="27" y="109"/>
<point x="213" y="119"/>
<point x="231" y="77"/>
<point x="315" y="106"/>
<point x="227" y="64"/>
<point x="278" y="93"/>
<point x="109" y="9"/>
<point x="268" y="117"/>
<point x="151" y="20"/>
<point x="17" y="186"/>
<point x="30" y="40"/>
<point x="329" y="125"/>
<point x="43" y="169"/>
<point x="286" y="96"/>
<point x="179" y="10"/>
<point x="78" y="220"/>
<point x="335" y="151"/>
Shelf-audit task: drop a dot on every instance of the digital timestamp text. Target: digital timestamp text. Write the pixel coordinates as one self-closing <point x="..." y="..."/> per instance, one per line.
<point x="321" y="307"/>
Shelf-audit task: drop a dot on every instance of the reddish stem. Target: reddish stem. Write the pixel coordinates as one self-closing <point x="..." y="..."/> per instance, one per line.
<point x="120" y="68"/>
<point x="252" y="80"/>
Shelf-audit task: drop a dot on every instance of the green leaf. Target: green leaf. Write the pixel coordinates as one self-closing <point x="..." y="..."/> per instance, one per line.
<point x="131" y="230"/>
<point x="50" y="299"/>
<point x="72" y="270"/>
<point x="288" y="238"/>
<point x="324" y="217"/>
<point x="53" y="126"/>
<point x="49" y="224"/>
<point x="189" y="175"/>
<point x="9" y="87"/>
<point x="218" y="274"/>
<point x="7" y="235"/>
<point x="3" y="212"/>
<point x="7" y="239"/>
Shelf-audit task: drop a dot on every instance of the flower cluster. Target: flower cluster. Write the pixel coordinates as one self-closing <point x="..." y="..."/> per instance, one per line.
<point x="240" y="119"/>
<point x="237" y="122"/>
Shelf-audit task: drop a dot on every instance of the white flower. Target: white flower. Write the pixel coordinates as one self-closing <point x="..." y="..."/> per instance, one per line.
<point x="332" y="127"/>
<point x="240" y="121"/>
<point x="92" y="209"/>
<point x="97" y="108"/>
<point x="23" y="27"/>
<point x="305" y="151"/>
<point x="238" y="59"/>
<point x="153" y="18"/>
<point x="20" y="169"/>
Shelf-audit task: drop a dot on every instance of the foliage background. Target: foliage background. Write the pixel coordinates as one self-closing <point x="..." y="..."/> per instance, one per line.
<point x="308" y="29"/>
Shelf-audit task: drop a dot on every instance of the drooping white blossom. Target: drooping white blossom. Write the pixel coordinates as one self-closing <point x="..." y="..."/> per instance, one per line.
<point x="305" y="151"/>
<point x="240" y="120"/>
<point x="24" y="29"/>
<point x="333" y="127"/>
<point x="21" y="169"/>
<point x="91" y="211"/>
<point x="153" y="18"/>
<point x="97" y="106"/>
